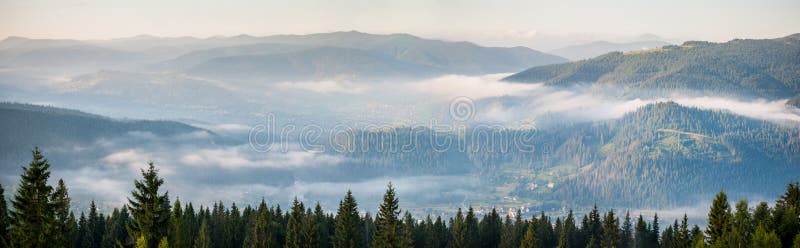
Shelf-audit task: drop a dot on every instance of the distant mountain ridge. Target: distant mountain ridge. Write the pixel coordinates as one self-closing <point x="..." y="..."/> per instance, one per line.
<point x="25" y="126"/>
<point x="768" y="68"/>
<point x="404" y="54"/>
<point x="597" y="48"/>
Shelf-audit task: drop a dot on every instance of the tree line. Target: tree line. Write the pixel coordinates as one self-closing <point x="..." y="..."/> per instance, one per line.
<point x="40" y="216"/>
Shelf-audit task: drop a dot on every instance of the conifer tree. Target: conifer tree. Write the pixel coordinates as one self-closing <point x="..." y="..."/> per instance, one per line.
<point x="309" y="231"/>
<point x="765" y="239"/>
<point x="62" y="228"/>
<point x="149" y="208"/>
<point x="203" y="236"/>
<point x="115" y="234"/>
<point x="718" y="218"/>
<point x="507" y="236"/>
<point x="626" y="239"/>
<point x="472" y="232"/>
<point x="261" y="234"/>
<point x="322" y="227"/>
<point x="566" y="235"/>
<point x="459" y="230"/>
<point x="490" y="228"/>
<point x="387" y="225"/>
<point x="349" y="231"/>
<point x="95" y="227"/>
<point x="408" y="230"/>
<point x="5" y="221"/>
<point x="294" y="226"/>
<point x="81" y="239"/>
<point x="32" y="213"/>
<point x="530" y="239"/>
<point x="369" y="230"/>
<point x="611" y="232"/>
<point x="175" y="238"/>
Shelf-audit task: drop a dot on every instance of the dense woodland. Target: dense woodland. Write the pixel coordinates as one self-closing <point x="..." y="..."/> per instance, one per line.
<point x="764" y="68"/>
<point x="631" y="161"/>
<point x="39" y="216"/>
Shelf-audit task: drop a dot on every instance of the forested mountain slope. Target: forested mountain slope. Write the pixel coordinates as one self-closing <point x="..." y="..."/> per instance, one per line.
<point x="24" y="126"/>
<point x="661" y="155"/>
<point x="767" y="68"/>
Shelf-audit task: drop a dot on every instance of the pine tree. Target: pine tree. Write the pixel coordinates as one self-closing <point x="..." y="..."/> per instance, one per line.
<point x="741" y="229"/>
<point x="32" y="213"/>
<point x="322" y="227"/>
<point x="95" y="228"/>
<point x="507" y="236"/>
<point x="149" y="209"/>
<point x="568" y="231"/>
<point x="683" y="238"/>
<point x="387" y="226"/>
<point x="5" y="221"/>
<point x="626" y="240"/>
<point x="349" y="231"/>
<point x="459" y="230"/>
<point x="796" y="243"/>
<point x="718" y="218"/>
<point x="261" y="233"/>
<point x="472" y="233"/>
<point x="655" y="232"/>
<point x="176" y="217"/>
<point x="490" y="228"/>
<point x="611" y="232"/>
<point x="369" y="230"/>
<point x="203" y="236"/>
<point x="408" y="230"/>
<point x="115" y="233"/>
<point x="530" y="239"/>
<point x="765" y="239"/>
<point x="310" y="234"/>
<point x="294" y="227"/>
<point x="62" y="227"/>
<point x="642" y="234"/>
<point x="667" y="237"/>
<point x="81" y="240"/>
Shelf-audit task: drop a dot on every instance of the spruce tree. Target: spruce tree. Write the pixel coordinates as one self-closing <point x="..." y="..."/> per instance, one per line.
<point x="175" y="219"/>
<point x="32" y="214"/>
<point x="310" y="236"/>
<point x="718" y="218"/>
<point x="149" y="208"/>
<point x="472" y="232"/>
<point x="95" y="227"/>
<point x="349" y="231"/>
<point x="507" y="236"/>
<point x="626" y="239"/>
<point x="490" y="228"/>
<point x="5" y="221"/>
<point x="62" y="228"/>
<point x="387" y="225"/>
<point x="261" y="234"/>
<point x="459" y="230"/>
<point x="116" y="234"/>
<point x="611" y="232"/>
<point x="294" y="226"/>
<point x="203" y="236"/>
<point x="530" y="239"/>
<point x="408" y="230"/>
<point x="762" y="238"/>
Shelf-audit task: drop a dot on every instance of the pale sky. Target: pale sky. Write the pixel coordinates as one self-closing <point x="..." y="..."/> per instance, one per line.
<point x="505" y="23"/>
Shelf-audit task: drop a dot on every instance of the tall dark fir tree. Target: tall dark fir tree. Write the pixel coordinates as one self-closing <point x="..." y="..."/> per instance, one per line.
<point x="388" y="228"/>
<point x="348" y="231"/>
<point x="149" y="208"/>
<point x="33" y="216"/>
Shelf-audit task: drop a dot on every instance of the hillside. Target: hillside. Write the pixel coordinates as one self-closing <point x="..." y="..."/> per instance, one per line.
<point x="24" y="126"/>
<point x="661" y="155"/>
<point x="597" y="48"/>
<point x="767" y="68"/>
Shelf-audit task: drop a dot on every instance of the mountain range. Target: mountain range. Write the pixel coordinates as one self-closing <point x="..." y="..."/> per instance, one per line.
<point x="279" y="57"/>
<point x="767" y="68"/>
